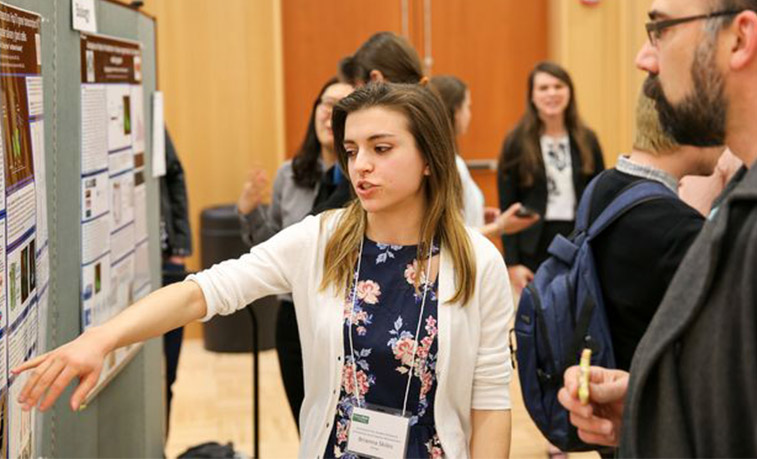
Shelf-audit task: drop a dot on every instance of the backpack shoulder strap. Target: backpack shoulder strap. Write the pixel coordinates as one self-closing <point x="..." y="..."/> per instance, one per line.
<point x="584" y="205"/>
<point x="636" y="193"/>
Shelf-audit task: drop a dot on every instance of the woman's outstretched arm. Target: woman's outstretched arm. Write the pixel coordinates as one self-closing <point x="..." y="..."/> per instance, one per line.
<point x="266" y="270"/>
<point x="163" y="310"/>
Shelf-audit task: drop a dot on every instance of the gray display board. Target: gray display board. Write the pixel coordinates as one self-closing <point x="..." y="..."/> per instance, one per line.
<point x="126" y="418"/>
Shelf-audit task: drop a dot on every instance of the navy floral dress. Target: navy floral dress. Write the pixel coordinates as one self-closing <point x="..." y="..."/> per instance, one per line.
<point x="385" y="321"/>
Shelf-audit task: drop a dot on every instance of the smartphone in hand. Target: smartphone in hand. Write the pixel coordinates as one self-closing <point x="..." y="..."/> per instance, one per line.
<point x="525" y="212"/>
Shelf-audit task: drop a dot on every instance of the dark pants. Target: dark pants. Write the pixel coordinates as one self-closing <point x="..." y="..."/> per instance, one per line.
<point x="172" y="273"/>
<point x="290" y="357"/>
<point x="548" y="232"/>
<point x="171" y="350"/>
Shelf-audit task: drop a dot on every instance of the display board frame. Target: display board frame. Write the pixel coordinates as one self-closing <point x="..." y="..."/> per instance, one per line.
<point x="125" y="419"/>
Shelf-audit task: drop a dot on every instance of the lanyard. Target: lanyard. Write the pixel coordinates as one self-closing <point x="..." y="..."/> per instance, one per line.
<point x="417" y="330"/>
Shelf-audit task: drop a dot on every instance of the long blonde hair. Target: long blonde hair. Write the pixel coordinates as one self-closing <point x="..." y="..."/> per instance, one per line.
<point x="427" y="122"/>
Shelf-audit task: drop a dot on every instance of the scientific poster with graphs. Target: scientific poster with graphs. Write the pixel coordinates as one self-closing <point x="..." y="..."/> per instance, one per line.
<point x="23" y="217"/>
<point x="114" y="266"/>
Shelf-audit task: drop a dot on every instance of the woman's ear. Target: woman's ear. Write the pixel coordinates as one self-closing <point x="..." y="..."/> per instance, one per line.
<point x="377" y="76"/>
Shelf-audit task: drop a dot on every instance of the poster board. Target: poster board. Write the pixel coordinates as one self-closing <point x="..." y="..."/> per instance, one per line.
<point x="115" y="270"/>
<point x="41" y="252"/>
<point x="22" y="216"/>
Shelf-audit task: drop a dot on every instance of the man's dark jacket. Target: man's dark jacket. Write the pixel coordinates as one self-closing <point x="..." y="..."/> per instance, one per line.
<point x="176" y="235"/>
<point x="693" y="386"/>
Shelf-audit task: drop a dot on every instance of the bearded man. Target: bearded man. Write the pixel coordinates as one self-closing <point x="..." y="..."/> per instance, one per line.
<point x="692" y="389"/>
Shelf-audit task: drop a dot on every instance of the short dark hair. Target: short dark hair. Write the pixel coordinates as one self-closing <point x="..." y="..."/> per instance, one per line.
<point x="716" y="24"/>
<point x="386" y="52"/>
<point x="735" y="5"/>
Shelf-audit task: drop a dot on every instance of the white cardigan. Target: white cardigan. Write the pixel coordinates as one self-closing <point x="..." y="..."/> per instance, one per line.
<point x="473" y="366"/>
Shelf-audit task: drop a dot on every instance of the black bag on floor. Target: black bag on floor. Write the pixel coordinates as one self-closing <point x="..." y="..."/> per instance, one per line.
<point x="210" y="450"/>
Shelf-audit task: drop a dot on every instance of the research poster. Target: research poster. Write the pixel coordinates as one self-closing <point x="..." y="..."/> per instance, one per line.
<point x="114" y="267"/>
<point x="23" y="218"/>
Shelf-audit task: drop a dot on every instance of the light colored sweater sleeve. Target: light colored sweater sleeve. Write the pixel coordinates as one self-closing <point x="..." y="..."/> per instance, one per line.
<point x="270" y="268"/>
<point x="493" y="372"/>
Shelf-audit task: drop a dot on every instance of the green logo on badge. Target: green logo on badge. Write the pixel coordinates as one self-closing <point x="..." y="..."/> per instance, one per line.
<point x="360" y="418"/>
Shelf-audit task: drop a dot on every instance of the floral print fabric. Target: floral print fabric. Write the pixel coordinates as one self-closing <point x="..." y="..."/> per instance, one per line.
<point x="384" y="323"/>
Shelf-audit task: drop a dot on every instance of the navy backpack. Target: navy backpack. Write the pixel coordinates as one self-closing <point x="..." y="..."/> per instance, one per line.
<point x="561" y="312"/>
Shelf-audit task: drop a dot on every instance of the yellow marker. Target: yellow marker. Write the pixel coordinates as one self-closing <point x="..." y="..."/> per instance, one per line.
<point x="82" y="407"/>
<point x="583" y="376"/>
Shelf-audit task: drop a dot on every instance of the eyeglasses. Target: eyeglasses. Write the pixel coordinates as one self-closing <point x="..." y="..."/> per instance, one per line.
<point x="655" y="28"/>
<point x="326" y="106"/>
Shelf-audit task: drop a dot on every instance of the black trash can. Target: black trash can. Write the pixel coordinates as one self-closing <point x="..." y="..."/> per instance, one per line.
<point x="220" y="240"/>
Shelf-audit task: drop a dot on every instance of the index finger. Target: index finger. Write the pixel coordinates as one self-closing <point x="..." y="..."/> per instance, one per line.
<point x="609" y="391"/>
<point x="32" y="363"/>
<point x="597" y="375"/>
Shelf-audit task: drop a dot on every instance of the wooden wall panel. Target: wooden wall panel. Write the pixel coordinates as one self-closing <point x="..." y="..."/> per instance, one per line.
<point x="491" y="45"/>
<point x="220" y="71"/>
<point x="316" y="35"/>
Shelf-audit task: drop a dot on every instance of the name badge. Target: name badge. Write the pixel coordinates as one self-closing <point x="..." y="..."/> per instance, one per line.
<point x="377" y="434"/>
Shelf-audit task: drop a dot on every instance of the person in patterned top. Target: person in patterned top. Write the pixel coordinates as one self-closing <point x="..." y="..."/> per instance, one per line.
<point x="399" y="306"/>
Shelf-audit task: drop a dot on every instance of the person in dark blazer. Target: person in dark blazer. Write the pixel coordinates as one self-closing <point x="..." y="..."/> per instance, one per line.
<point x="546" y="162"/>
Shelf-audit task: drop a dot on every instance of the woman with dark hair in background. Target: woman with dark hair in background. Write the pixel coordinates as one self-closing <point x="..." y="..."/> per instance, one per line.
<point x="546" y="162"/>
<point x="489" y="220"/>
<point x="299" y="183"/>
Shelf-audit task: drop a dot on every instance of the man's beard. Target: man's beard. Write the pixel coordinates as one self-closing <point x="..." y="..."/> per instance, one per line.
<point x="700" y="118"/>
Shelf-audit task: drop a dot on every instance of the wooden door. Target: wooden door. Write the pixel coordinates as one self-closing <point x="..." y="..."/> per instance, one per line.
<point x="316" y="35"/>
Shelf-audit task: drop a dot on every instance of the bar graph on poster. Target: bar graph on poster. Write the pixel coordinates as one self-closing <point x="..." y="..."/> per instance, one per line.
<point x="114" y="259"/>
<point x="23" y="219"/>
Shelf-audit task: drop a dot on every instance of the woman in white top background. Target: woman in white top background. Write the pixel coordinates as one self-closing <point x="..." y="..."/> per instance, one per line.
<point x="396" y="145"/>
<point x="546" y="162"/>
